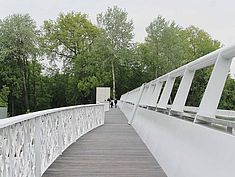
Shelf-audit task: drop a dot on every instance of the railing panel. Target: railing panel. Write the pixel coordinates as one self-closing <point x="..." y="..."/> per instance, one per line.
<point x="17" y="157"/>
<point x="30" y="143"/>
<point x="184" y="149"/>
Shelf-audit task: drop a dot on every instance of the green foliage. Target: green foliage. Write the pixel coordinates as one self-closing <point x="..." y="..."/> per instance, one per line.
<point x="199" y="42"/>
<point x="18" y="47"/>
<point x="166" y="45"/>
<point x="70" y="36"/>
<point x="228" y="97"/>
<point x="198" y="86"/>
<point x="3" y="96"/>
<point x="17" y="37"/>
<point x="118" y="30"/>
<point x="72" y="39"/>
<point x="117" y="37"/>
<point x="169" y="46"/>
<point x="92" y="56"/>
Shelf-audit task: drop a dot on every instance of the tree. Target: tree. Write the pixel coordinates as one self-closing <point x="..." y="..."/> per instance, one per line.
<point x="118" y="32"/>
<point x="18" y="46"/>
<point x="167" y="49"/>
<point x="171" y="46"/>
<point x="70" y="38"/>
<point x="228" y="96"/>
<point x="198" y="43"/>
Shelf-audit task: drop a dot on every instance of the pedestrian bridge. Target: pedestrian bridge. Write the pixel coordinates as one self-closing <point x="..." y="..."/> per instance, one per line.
<point x="144" y="137"/>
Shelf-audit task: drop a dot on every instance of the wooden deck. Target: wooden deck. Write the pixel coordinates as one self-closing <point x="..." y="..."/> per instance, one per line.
<point x="112" y="150"/>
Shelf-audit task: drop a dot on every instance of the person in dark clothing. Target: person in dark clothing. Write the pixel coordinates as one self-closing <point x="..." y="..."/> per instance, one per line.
<point x="111" y="104"/>
<point x="109" y="100"/>
<point x="115" y="102"/>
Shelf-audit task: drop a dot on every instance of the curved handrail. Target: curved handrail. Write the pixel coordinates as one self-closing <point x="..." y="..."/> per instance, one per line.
<point x="16" y="119"/>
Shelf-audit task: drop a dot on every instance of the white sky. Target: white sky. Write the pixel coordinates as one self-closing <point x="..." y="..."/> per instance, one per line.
<point x="217" y="17"/>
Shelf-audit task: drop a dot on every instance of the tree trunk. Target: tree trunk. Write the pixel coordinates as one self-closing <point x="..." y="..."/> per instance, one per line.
<point x="34" y="86"/>
<point x="12" y="105"/>
<point x="27" y="77"/>
<point x="25" y="89"/>
<point x="114" y="81"/>
<point x="26" y="99"/>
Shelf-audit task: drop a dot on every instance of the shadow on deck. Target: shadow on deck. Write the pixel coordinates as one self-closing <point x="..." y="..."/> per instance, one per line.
<point x="112" y="150"/>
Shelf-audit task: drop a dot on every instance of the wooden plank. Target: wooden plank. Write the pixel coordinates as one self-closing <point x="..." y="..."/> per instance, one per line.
<point x="112" y="150"/>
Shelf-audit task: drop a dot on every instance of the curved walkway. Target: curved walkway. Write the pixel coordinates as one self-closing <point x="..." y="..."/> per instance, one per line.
<point x="112" y="150"/>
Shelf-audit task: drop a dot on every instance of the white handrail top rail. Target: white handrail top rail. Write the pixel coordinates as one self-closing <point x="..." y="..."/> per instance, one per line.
<point x="201" y="62"/>
<point x="20" y="118"/>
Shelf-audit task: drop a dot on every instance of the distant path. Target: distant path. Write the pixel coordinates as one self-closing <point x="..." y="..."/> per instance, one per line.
<point x="112" y="150"/>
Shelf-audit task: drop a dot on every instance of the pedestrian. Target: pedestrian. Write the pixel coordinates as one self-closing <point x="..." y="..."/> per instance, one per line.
<point x="109" y="100"/>
<point x="111" y="104"/>
<point x="115" y="102"/>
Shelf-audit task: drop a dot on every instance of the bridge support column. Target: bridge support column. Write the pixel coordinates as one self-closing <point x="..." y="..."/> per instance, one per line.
<point x="136" y="104"/>
<point x="214" y="88"/>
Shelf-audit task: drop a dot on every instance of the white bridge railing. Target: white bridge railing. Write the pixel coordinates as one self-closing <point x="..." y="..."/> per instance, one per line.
<point x="30" y="143"/>
<point x="150" y="95"/>
<point x="186" y="148"/>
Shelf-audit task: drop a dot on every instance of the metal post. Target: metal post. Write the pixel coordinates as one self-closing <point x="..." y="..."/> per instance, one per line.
<point x="156" y="93"/>
<point x="11" y="151"/>
<point x="149" y="94"/>
<point x="74" y="128"/>
<point x="38" y="163"/>
<point x="214" y="88"/>
<point x="183" y="90"/>
<point x="60" y="132"/>
<point x="136" y="104"/>
<point x="166" y="93"/>
<point x="142" y="99"/>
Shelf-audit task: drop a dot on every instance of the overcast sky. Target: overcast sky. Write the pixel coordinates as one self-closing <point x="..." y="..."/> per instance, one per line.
<point x="217" y="17"/>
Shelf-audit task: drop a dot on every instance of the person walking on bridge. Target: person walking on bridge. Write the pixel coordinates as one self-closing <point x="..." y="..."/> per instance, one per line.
<point x="115" y="102"/>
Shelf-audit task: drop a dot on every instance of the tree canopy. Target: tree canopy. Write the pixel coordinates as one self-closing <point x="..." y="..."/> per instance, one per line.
<point x="62" y="62"/>
<point x="18" y="50"/>
<point x="118" y="35"/>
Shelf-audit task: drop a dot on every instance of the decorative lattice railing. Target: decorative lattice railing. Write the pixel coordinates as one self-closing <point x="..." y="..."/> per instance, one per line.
<point x="30" y="143"/>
